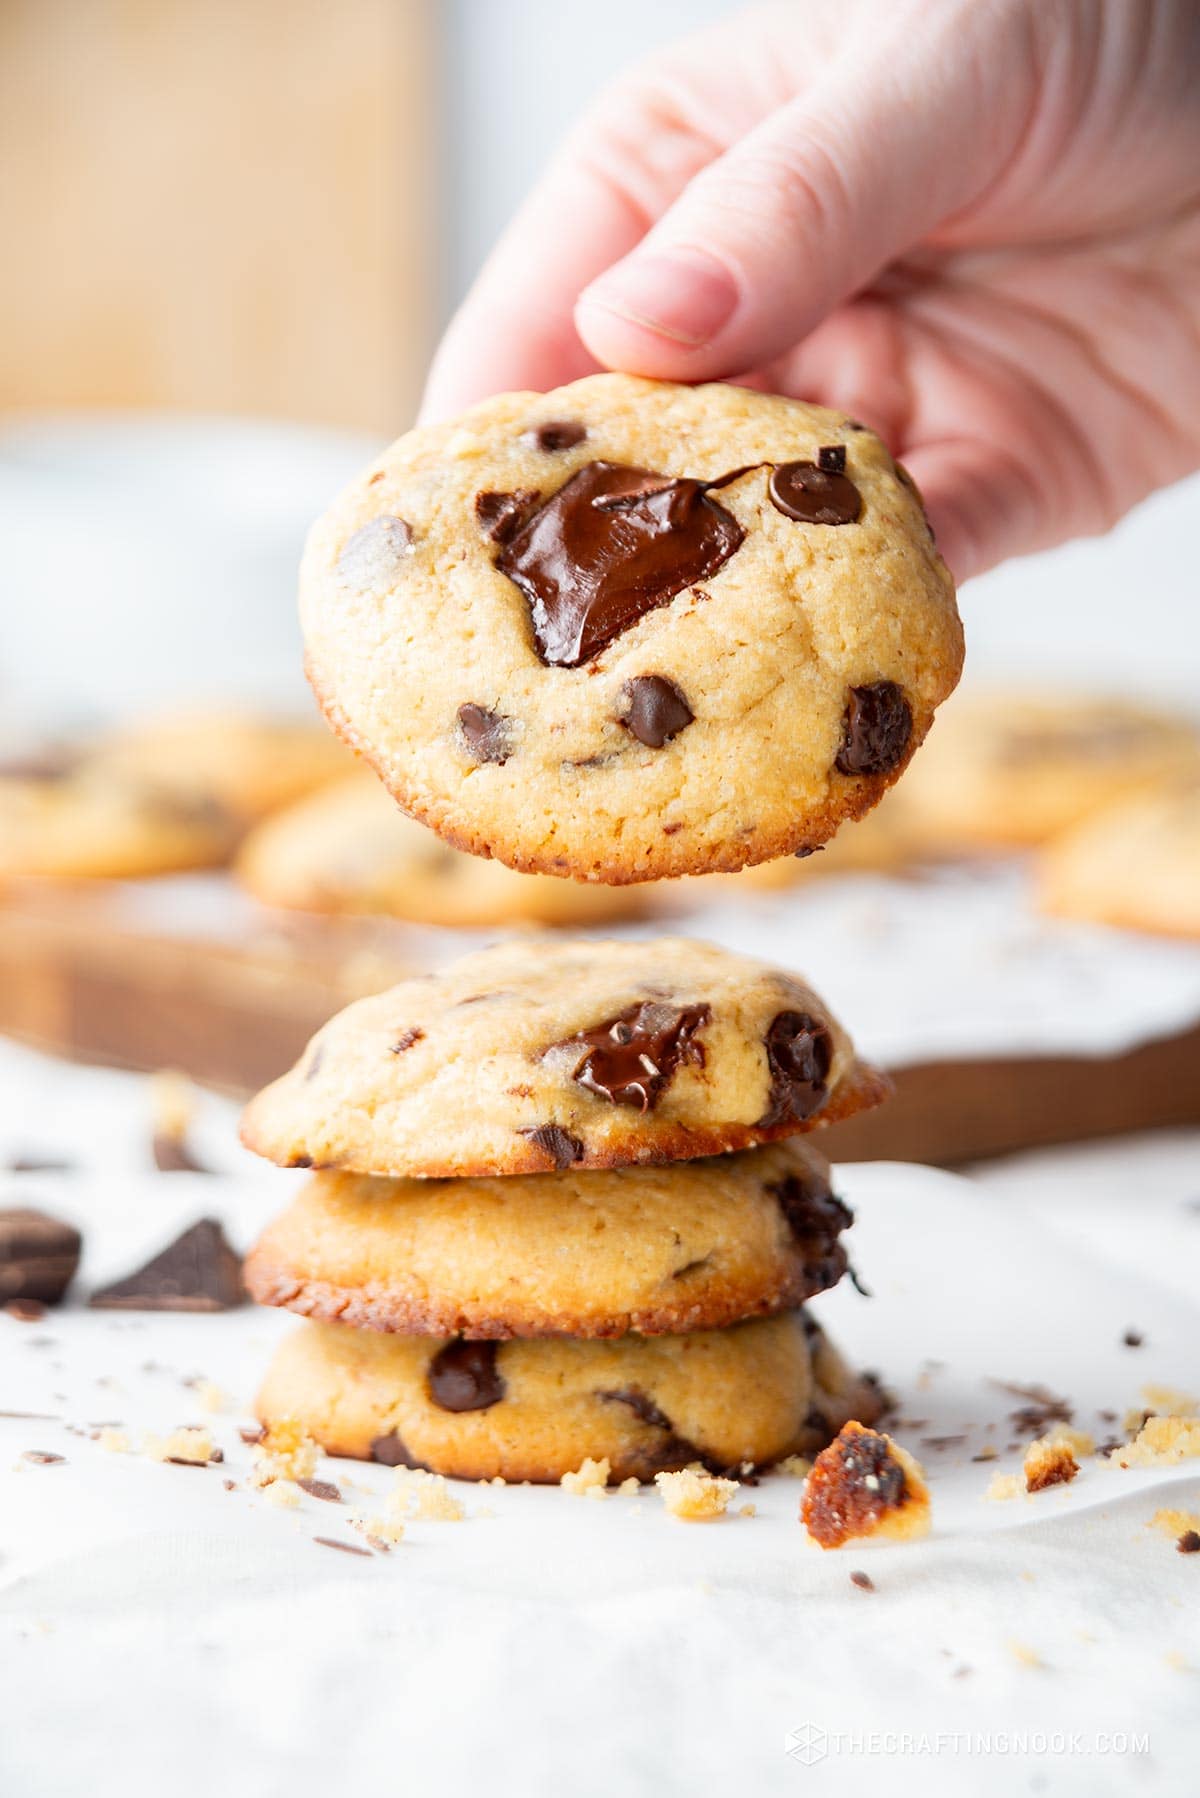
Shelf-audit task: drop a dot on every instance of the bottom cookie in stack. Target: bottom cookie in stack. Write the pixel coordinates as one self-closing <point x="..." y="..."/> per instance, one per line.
<point x="514" y="1327"/>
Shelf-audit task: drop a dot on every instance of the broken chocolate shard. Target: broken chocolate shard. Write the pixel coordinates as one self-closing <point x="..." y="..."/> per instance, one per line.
<point x="876" y="729"/>
<point x="632" y="1058"/>
<point x="799" y="1056"/>
<point x="563" y="1149"/>
<point x="501" y="515"/>
<point x="810" y="494"/>
<point x="463" y="1376"/>
<point x="654" y="710"/>
<point x="199" y="1271"/>
<point x="611" y="545"/>
<point x="347" y="1548"/>
<point x="38" y="1255"/>
<point x="323" y="1489"/>
<point x="831" y="458"/>
<point x="371" y="559"/>
<point x="486" y="736"/>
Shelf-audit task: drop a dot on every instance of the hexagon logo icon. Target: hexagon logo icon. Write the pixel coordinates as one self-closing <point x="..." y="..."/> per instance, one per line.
<point x="808" y="1743"/>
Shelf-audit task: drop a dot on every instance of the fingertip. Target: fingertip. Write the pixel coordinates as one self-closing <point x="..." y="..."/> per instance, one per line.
<point x="659" y="313"/>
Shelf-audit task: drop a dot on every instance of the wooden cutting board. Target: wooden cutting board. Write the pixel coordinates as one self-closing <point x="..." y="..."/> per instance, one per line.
<point x="84" y="974"/>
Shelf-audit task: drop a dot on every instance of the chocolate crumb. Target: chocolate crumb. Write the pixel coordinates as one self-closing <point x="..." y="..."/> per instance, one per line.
<point x="347" y="1548"/>
<point x="1133" y="1339"/>
<point x="1189" y="1542"/>
<point x="42" y="1457"/>
<point x="40" y="1164"/>
<point x="324" y="1489"/>
<point x="563" y="1149"/>
<point x="863" y="1581"/>
<point x="252" y="1433"/>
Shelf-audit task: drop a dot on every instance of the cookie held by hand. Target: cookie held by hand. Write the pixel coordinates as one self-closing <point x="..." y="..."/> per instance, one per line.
<point x="629" y="630"/>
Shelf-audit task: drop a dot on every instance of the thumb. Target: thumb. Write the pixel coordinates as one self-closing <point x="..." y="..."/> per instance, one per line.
<point x="799" y="214"/>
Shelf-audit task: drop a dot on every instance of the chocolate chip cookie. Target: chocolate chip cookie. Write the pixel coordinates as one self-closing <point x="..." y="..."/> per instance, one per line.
<point x="748" y="1395"/>
<point x="348" y="848"/>
<point x="1135" y="865"/>
<point x="693" y="1245"/>
<point x="535" y="1056"/>
<point x="628" y="630"/>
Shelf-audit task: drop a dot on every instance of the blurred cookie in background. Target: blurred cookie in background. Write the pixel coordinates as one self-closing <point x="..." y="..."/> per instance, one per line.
<point x="349" y="848"/>
<point x="1012" y="769"/>
<point x="1135" y="865"/>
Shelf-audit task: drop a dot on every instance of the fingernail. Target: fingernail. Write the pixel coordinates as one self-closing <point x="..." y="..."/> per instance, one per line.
<point x="683" y="294"/>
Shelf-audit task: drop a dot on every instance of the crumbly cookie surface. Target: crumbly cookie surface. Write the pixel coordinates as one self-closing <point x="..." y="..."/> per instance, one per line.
<point x="536" y="1410"/>
<point x="536" y="1056"/>
<point x="348" y="848"/>
<point x="682" y="1246"/>
<point x="1011" y="770"/>
<point x="628" y="630"/>
<point x="1135" y="865"/>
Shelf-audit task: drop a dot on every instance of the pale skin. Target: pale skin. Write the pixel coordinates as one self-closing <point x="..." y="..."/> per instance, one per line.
<point x="973" y="224"/>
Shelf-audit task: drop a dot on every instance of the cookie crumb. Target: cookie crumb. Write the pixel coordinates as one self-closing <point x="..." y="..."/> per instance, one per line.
<point x="1005" y="1486"/>
<point x="210" y="1396"/>
<point x="589" y="1480"/>
<point x="864" y="1484"/>
<point x="116" y="1442"/>
<point x="793" y="1467"/>
<point x="1051" y="1460"/>
<point x="282" y="1492"/>
<point x="1170" y="1401"/>
<point x="1161" y="1442"/>
<point x="190" y="1446"/>
<point x="1024" y="1655"/>
<point x="381" y="1532"/>
<point x="695" y="1495"/>
<point x="630" y="1487"/>
<point x="423" y="1496"/>
<point x="748" y="1511"/>
<point x="285" y="1452"/>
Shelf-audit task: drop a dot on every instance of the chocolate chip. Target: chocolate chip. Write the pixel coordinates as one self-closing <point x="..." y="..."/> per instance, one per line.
<point x="1189" y="1542"/>
<point x="463" y="1376"/>
<point x="300" y="1161"/>
<point x="38" y="1255"/>
<point x="347" y="1548"/>
<point x="199" y="1271"/>
<point x="487" y="736"/>
<point x="816" y="1219"/>
<point x="611" y="545"/>
<point x="501" y="515"/>
<point x="1133" y="1339"/>
<point x="799" y="1055"/>
<point x="324" y="1489"/>
<point x="831" y="457"/>
<point x="390" y="1451"/>
<point x="563" y="1149"/>
<point x="371" y="558"/>
<point x="674" y="1451"/>
<point x="630" y="1059"/>
<point x="172" y="1155"/>
<point x="653" y="709"/>
<point x="875" y="729"/>
<point x="814" y="495"/>
<point x="556" y="434"/>
<point x="406" y="1039"/>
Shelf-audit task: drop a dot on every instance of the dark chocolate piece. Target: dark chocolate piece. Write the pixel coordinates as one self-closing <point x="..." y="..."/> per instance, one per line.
<point x="38" y="1255"/>
<point x="555" y="434"/>
<point x="630" y="1059"/>
<point x="814" y="495"/>
<point x="675" y="1451"/>
<point x="199" y="1271"/>
<point x="487" y="736"/>
<point x="301" y="1161"/>
<point x="816" y="1219"/>
<point x="654" y="709"/>
<point x="863" y="1581"/>
<point x="371" y="558"/>
<point x="831" y="457"/>
<point x="42" y="1457"/>
<point x="322" y="1489"/>
<point x="390" y="1451"/>
<point x="611" y="545"/>
<point x="563" y="1149"/>
<point x="799" y="1055"/>
<point x="1189" y="1543"/>
<point x="1133" y="1339"/>
<point x="407" y="1038"/>
<point x="463" y="1376"/>
<point x="875" y="730"/>
<point x="501" y="515"/>
<point x="347" y="1548"/>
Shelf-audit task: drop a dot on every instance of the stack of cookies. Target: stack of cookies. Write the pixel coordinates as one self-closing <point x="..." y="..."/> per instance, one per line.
<point x="565" y="1208"/>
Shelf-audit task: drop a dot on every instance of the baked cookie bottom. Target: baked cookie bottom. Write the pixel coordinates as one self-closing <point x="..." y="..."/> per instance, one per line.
<point x="688" y="1245"/>
<point x="737" y="1398"/>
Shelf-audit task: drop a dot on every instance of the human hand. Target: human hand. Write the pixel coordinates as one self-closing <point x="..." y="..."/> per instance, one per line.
<point x="973" y="224"/>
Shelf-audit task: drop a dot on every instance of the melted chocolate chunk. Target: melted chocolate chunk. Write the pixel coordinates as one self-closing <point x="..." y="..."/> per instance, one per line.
<point x="300" y="1161"/>
<point x="875" y="730"/>
<point x="611" y="545"/>
<point x="814" y="495"/>
<point x="464" y="1377"/>
<point x="38" y="1255"/>
<point x="563" y="1149"/>
<point x="816" y="1219"/>
<point x="675" y="1451"/>
<point x="631" y="1059"/>
<point x="371" y="558"/>
<point x="390" y="1451"/>
<point x="501" y="515"/>
<point x="831" y="457"/>
<point x="199" y="1271"/>
<point x="556" y="434"/>
<point x="799" y="1055"/>
<point x="654" y="709"/>
<point x="487" y="736"/>
<point x="852" y="1484"/>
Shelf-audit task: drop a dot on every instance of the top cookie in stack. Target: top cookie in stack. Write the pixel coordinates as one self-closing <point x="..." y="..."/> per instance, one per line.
<point x="627" y="629"/>
<point x="559" y="1300"/>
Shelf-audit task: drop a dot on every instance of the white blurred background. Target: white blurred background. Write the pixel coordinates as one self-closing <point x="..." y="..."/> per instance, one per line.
<point x="201" y="343"/>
